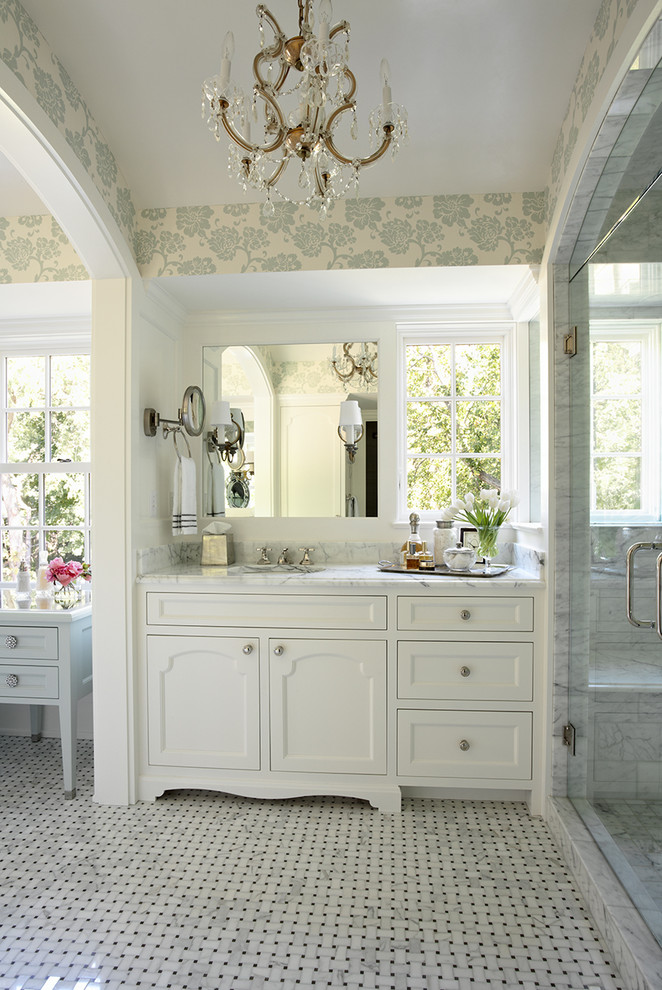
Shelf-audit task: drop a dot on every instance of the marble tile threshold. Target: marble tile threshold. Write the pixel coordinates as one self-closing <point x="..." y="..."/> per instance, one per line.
<point x="636" y="952"/>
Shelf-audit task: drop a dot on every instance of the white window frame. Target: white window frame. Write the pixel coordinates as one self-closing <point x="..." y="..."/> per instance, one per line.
<point x="649" y="333"/>
<point x="37" y="348"/>
<point x="512" y="447"/>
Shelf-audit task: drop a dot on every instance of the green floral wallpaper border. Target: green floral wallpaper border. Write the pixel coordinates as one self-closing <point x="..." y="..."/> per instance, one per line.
<point x="612" y="18"/>
<point x="412" y="231"/>
<point x="36" y="249"/>
<point x="25" y="51"/>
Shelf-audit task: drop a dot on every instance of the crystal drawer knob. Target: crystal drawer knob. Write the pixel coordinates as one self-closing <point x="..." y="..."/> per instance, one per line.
<point x="464" y="745"/>
<point x="465" y="613"/>
<point x="465" y="671"/>
<point x="279" y="650"/>
<point x="11" y="642"/>
<point x="247" y="649"/>
<point x="11" y="680"/>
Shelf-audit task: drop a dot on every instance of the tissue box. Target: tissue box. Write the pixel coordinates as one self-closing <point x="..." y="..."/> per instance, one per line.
<point x="217" y="548"/>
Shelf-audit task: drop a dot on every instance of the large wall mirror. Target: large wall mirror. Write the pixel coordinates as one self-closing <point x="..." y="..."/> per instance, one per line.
<point x="285" y="403"/>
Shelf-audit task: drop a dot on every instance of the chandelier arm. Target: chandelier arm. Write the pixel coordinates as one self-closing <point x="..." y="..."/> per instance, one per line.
<point x="280" y="168"/>
<point x="340" y="26"/>
<point x="275" y="26"/>
<point x="360" y="162"/>
<point x="238" y="139"/>
<point x="266" y="56"/>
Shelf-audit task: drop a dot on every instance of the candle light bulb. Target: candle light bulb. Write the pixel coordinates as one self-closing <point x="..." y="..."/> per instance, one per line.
<point x="385" y="76"/>
<point x="326" y="13"/>
<point x="226" y="58"/>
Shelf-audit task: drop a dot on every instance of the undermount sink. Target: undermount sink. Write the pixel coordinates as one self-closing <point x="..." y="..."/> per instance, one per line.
<point x="284" y="568"/>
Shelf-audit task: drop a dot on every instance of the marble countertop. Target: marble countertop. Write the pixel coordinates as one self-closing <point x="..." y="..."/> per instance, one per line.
<point x="347" y="575"/>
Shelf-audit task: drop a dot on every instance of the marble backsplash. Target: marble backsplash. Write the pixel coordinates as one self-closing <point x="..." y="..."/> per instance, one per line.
<point x="188" y="551"/>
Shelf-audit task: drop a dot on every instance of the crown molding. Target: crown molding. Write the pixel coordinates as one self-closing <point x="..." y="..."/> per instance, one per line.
<point x="524" y="303"/>
<point x="58" y="331"/>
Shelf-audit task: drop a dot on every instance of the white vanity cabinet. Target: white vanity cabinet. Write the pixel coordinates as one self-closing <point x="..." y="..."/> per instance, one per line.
<point x="342" y="686"/>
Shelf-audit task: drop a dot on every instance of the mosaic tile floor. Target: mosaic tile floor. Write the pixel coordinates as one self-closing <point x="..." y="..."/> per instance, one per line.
<point x="201" y="891"/>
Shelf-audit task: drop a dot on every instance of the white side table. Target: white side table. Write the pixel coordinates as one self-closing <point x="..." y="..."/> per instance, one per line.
<point x="46" y="659"/>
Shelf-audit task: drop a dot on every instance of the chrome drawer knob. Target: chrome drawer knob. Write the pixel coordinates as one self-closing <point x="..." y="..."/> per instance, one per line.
<point x="279" y="650"/>
<point x="247" y="649"/>
<point x="465" y="613"/>
<point x="464" y="745"/>
<point x="11" y="680"/>
<point x="465" y="671"/>
<point x="11" y="642"/>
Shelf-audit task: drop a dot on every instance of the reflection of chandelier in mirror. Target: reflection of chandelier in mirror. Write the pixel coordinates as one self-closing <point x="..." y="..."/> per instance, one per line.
<point x="360" y="370"/>
<point x="321" y="96"/>
<point x="226" y="435"/>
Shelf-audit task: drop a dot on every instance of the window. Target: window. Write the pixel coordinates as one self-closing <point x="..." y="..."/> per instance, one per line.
<point x="44" y="458"/>
<point x="625" y="413"/>
<point x="457" y="420"/>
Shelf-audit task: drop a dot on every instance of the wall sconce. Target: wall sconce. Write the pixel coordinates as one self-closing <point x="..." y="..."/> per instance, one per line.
<point x="350" y="427"/>
<point x="226" y="436"/>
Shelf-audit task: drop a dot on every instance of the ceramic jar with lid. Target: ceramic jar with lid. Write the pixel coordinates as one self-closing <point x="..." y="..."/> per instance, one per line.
<point x="459" y="558"/>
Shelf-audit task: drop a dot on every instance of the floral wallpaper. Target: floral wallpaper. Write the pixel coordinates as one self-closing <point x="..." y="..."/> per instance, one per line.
<point x="411" y="231"/>
<point x="25" y="51"/>
<point x="612" y="17"/>
<point x="36" y="249"/>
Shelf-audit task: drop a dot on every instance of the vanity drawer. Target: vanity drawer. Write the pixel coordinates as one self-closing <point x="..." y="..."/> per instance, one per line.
<point x="465" y="614"/>
<point x="267" y="611"/>
<point x="32" y="642"/>
<point x="18" y="681"/>
<point x="470" y="745"/>
<point x="465" y="671"/>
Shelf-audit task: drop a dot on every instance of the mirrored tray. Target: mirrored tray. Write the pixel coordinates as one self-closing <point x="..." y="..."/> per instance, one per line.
<point x="477" y="571"/>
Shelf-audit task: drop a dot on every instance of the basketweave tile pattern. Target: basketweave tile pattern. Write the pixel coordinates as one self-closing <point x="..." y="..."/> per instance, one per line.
<point x="201" y="891"/>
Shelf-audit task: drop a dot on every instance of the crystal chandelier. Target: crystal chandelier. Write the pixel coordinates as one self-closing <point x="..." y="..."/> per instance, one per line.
<point x="298" y="124"/>
<point x="360" y="370"/>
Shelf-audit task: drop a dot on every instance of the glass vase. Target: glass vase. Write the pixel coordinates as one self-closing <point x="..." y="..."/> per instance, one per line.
<point x="487" y="544"/>
<point x="67" y="595"/>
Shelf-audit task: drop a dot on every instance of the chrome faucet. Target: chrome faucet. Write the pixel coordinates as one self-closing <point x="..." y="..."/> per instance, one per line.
<point x="283" y="556"/>
<point x="305" y="551"/>
<point x="264" y="551"/>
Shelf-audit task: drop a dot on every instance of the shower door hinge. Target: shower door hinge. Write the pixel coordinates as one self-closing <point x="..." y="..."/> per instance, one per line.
<point x="569" y="737"/>
<point x="570" y="343"/>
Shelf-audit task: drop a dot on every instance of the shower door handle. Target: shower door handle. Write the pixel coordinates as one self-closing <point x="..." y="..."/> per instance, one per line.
<point x="629" y="558"/>
<point x="658" y="594"/>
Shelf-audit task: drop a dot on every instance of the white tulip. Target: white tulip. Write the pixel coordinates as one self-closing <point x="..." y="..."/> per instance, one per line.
<point x="469" y="499"/>
<point x="504" y="505"/>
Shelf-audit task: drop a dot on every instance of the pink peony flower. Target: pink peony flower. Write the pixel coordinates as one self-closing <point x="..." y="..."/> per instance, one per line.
<point x="64" y="572"/>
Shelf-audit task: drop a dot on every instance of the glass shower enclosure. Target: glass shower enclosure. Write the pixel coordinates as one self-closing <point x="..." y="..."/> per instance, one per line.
<point x="615" y="776"/>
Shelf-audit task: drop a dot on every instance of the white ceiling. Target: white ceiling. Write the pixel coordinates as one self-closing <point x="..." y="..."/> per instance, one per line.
<point x="485" y="82"/>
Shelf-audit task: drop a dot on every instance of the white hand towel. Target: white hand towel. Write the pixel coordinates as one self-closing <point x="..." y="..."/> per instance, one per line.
<point x="216" y="490"/>
<point x="184" y="504"/>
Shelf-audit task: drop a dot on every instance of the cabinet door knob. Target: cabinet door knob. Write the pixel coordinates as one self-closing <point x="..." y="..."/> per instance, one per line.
<point x="465" y="671"/>
<point x="464" y="745"/>
<point x="279" y="650"/>
<point x="247" y="649"/>
<point x="465" y="613"/>
<point x="11" y="680"/>
<point x="11" y="642"/>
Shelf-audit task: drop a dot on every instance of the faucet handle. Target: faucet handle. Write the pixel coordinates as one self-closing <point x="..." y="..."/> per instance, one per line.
<point x="264" y="551"/>
<point x="305" y="551"/>
<point x="283" y="556"/>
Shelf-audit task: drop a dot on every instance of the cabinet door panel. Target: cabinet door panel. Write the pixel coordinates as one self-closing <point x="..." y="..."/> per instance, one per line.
<point x="203" y="702"/>
<point x="328" y="706"/>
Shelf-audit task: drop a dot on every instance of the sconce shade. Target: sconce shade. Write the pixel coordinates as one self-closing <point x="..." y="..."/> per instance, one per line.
<point x="350" y="413"/>
<point x="220" y="414"/>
